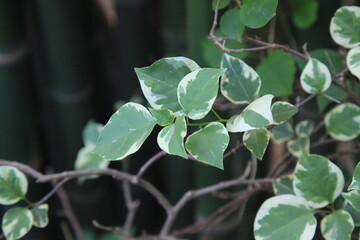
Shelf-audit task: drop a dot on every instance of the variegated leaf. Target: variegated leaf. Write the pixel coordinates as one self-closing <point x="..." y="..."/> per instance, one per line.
<point x="283" y="111"/>
<point x="304" y="128"/>
<point x="354" y="198"/>
<point x="159" y="81"/>
<point x="343" y="122"/>
<point x="256" y="115"/>
<point x="197" y="91"/>
<point x="240" y="83"/>
<point x="125" y="132"/>
<point x="337" y="226"/>
<point x="299" y="146"/>
<point x="283" y="185"/>
<point x="284" y="217"/>
<point x="355" y="183"/>
<point x="282" y="133"/>
<point x="13" y="185"/>
<point x="163" y="116"/>
<point x="345" y="25"/>
<point x="171" y="138"/>
<point x="317" y="169"/>
<point x="17" y="222"/>
<point x="40" y="214"/>
<point x="208" y="144"/>
<point x="353" y="61"/>
<point x="316" y="77"/>
<point x="256" y="141"/>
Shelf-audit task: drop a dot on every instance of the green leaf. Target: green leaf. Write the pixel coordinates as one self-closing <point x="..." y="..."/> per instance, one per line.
<point x="334" y="92"/>
<point x="283" y="111"/>
<point x="353" y="212"/>
<point x="91" y="132"/>
<point x="240" y="83"/>
<point x="223" y="4"/>
<point x="13" y="185"/>
<point x="353" y="61"/>
<point x="125" y="132"/>
<point x="337" y="226"/>
<point x="304" y="128"/>
<point x="256" y="141"/>
<point x="315" y="77"/>
<point x="317" y="169"/>
<point x="163" y="116"/>
<point x="40" y="214"/>
<point x="299" y="146"/>
<point x="355" y="183"/>
<point x="284" y="217"/>
<point x="345" y="25"/>
<point x="282" y="133"/>
<point x="231" y="25"/>
<point x="304" y="12"/>
<point x="256" y="14"/>
<point x="354" y="198"/>
<point x="17" y="222"/>
<point x="278" y="69"/>
<point x="212" y="54"/>
<point x="330" y="57"/>
<point x="208" y="144"/>
<point x="160" y="81"/>
<point x="171" y="138"/>
<point x="256" y="115"/>
<point x="86" y="159"/>
<point x="283" y="185"/>
<point x="197" y="91"/>
<point x="343" y="122"/>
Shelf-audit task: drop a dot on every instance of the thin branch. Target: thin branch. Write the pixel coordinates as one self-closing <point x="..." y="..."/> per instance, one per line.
<point x="148" y="163"/>
<point x="115" y="229"/>
<point x="305" y="100"/>
<point x="22" y="167"/>
<point x="52" y="192"/>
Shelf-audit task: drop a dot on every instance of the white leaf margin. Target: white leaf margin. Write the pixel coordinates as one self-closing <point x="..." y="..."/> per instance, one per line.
<point x="354" y="68"/>
<point x="23" y="183"/>
<point x="329" y="235"/>
<point x="309" y="70"/>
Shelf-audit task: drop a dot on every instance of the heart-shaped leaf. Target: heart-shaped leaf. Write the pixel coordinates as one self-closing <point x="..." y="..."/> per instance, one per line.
<point x="256" y="115"/>
<point x="316" y="77"/>
<point x="163" y="116"/>
<point x="284" y="216"/>
<point x="317" y="169"/>
<point x="240" y="83"/>
<point x="283" y="185"/>
<point x="282" y="133"/>
<point x="256" y="14"/>
<point x="304" y="128"/>
<point x="160" y="81"/>
<point x="208" y="144"/>
<point x="171" y="138"/>
<point x="345" y="25"/>
<point x="256" y="141"/>
<point x="353" y="61"/>
<point x="343" y="122"/>
<point x="197" y="91"/>
<point x="125" y="132"/>
<point x="337" y="226"/>
<point x="299" y="146"/>
<point x="17" y="222"/>
<point x="13" y="185"/>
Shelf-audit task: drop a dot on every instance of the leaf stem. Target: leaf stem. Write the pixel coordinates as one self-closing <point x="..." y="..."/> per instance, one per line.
<point x="206" y="123"/>
<point x="216" y="114"/>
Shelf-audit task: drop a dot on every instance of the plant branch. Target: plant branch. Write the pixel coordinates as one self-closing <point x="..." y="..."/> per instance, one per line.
<point x="51" y="193"/>
<point x="148" y="163"/>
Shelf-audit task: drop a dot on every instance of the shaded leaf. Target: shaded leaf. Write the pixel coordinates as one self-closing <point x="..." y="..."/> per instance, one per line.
<point x="240" y="83"/>
<point x="304" y="127"/>
<point x="125" y="132"/>
<point x="223" y="4"/>
<point x="353" y="197"/>
<point x="163" y="116"/>
<point x="355" y="183"/>
<point x="159" y="81"/>
<point x="197" y="91"/>
<point x="283" y="185"/>
<point x="91" y="132"/>
<point x="315" y="77"/>
<point x="284" y="216"/>
<point x="304" y="12"/>
<point x="13" y="185"/>
<point x="256" y="115"/>
<point x="208" y="144"/>
<point x="299" y="146"/>
<point x="231" y="25"/>
<point x="171" y="138"/>
<point x="353" y="212"/>
<point x="17" y="222"/>
<point x="283" y="111"/>
<point x="40" y="214"/>
<point x="345" y="25"/>
<point x="334" y="92"/>
<point x="337" y="226"/>
<point x="256" y="14"/>
<point x="282" y="133"/>
<point x="278" y="72"/>
<point x="256" y="141"/>
<point x="343" y="122"/>
<point x="317" y="169"/>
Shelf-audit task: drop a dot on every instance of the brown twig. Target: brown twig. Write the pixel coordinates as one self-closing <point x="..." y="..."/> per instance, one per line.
<point x="148" y="163"/>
